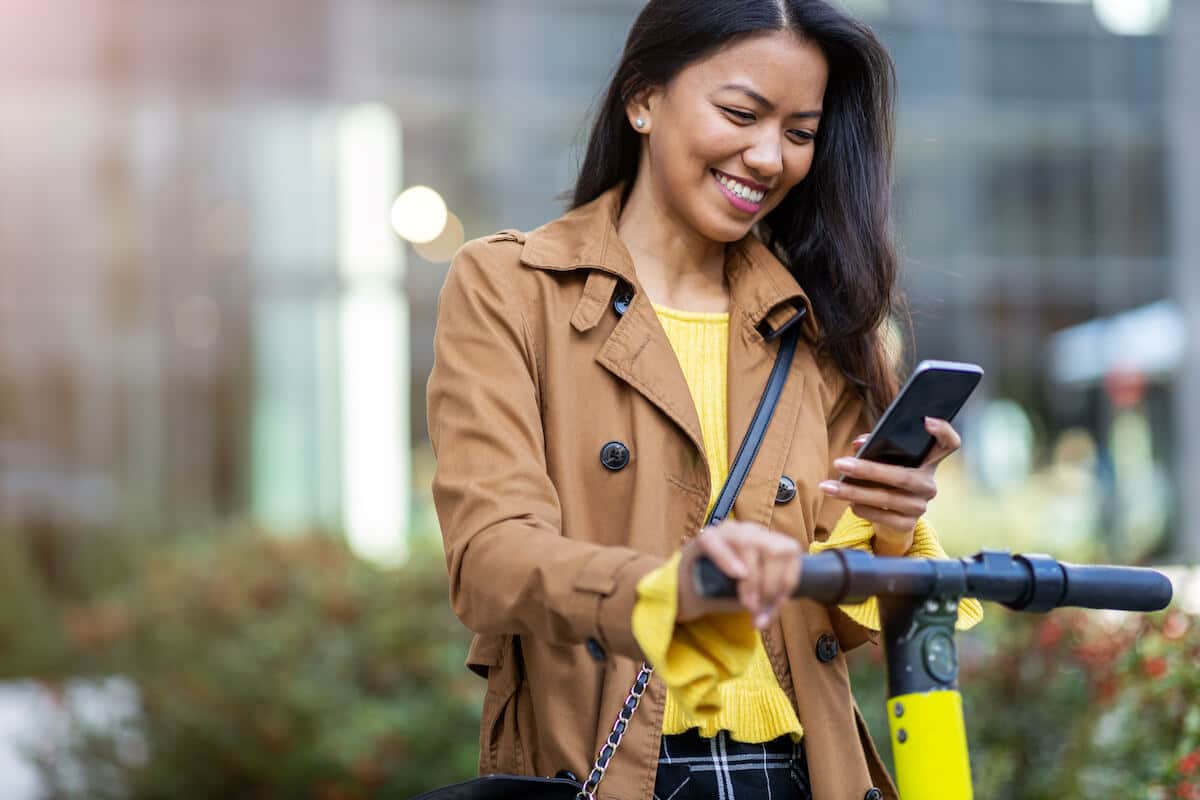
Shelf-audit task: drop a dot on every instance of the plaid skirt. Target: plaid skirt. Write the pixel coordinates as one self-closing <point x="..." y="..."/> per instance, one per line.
<point x="693" y="767"/>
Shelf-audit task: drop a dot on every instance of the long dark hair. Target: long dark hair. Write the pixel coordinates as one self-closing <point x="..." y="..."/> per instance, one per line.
<point x="833" y="230"/>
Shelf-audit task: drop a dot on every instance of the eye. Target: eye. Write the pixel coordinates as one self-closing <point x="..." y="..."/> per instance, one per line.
<point x="803" y="136"/>
<point x="740" y="115"/>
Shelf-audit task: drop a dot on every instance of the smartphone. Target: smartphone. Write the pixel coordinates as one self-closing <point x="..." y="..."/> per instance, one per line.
<point x="935" y="389"/>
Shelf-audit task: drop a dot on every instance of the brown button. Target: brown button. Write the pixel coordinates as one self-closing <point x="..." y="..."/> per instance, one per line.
<point x="827" y="648"/>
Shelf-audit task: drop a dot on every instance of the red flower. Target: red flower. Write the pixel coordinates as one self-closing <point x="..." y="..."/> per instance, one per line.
<point x="1190" y="763"/>
<point x="1187" y="791"/>
<point x="1049" y="633"/>
<point x="1154" y="667"/>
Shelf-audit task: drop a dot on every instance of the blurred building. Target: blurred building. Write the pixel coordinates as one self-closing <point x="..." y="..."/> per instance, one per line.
<point x="176" y="263"/>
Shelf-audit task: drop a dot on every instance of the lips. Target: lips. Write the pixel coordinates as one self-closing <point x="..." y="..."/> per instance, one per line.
<point x="744" y="195"/>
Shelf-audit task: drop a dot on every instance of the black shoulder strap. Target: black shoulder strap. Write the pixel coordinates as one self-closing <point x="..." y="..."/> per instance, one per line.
<point x="733" y="484"/>
<point x="758" y="427"/>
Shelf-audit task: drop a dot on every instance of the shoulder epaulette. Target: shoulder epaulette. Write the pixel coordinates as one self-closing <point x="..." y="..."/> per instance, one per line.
<point x="510" y="235"/>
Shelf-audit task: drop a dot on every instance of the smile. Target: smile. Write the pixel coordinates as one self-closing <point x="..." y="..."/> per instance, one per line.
<point x="740" y="195"/>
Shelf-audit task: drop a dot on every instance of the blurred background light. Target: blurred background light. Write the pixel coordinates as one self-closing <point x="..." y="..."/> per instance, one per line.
<point x="1150" y="340"/>
<point x="1005" y="447"/>
<point x="419" y="214"/>
<point x="374" y="331"/>
<point x="446" y="244"/>
<point x="1132" y="17"/>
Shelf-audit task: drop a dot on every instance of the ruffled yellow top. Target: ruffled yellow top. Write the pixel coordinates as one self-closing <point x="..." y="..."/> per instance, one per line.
<point x="716" y="669"/>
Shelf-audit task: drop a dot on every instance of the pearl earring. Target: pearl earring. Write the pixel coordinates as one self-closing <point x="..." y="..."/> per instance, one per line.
<point x="641" y="123"/>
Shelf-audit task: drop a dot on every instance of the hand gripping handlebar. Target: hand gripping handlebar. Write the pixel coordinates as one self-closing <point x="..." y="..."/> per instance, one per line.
<point x="1022" y="582"/>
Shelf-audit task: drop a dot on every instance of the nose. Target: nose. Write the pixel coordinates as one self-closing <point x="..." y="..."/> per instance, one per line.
<point x="764" y="156"/>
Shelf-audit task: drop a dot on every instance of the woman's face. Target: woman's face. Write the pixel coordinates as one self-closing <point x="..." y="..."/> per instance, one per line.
<point x="729" y="137"/>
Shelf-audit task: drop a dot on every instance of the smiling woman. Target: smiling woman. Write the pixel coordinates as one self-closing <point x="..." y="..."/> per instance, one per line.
<point x="592" y="380"/>
<point x="722" y="138"/>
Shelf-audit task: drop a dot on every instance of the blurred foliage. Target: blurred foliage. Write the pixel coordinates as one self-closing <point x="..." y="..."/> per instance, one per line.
<point x="1071" y="704"/>
<point x="1057" y="498"/>
<point x="43" y="567"/>
<point x="271" y="667"/>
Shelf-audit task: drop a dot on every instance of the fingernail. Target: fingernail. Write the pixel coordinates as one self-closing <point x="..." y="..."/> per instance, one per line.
<point x="832" y="487"/>
<point x="930" y="421"/>
<point x="762" y="620"/>
<point x="844" y="463"/>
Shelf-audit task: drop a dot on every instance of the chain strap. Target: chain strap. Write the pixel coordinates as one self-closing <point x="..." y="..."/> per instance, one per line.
<point x="588" y="792"/>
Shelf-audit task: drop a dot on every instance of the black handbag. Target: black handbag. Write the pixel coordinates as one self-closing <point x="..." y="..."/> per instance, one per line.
<point x="521" y="787"/>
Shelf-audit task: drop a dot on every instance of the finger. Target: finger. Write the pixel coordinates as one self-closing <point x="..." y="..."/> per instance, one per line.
<point x="946" y="438"/>
<point x="749" y="593"/>
<point x="722" y="554"/>
<point x="739" y="537"/>
<point x="913" y="481"/>
<point x="780" y="571"/>
<point x="878" y="497"/>
<point x="860" y="440"/>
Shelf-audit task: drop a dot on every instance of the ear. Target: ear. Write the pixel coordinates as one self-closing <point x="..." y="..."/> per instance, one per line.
<point x="641" y="106"/>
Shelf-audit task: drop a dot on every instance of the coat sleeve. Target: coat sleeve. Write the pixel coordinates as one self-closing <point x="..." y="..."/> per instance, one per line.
<point x="512" y="568"/>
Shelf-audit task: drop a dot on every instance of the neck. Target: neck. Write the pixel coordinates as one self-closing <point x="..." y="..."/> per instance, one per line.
<point x="676" y="266"/>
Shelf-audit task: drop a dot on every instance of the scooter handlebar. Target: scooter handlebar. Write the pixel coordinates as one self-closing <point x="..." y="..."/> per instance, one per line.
<point x="1023" y="582"/>
<point x="1122" y="588"/>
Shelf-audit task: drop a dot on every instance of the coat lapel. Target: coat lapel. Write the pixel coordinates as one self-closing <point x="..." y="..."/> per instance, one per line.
<point x="637" y="350"/>
<point x="766" y="299"/>
<point x="639" y="353"/>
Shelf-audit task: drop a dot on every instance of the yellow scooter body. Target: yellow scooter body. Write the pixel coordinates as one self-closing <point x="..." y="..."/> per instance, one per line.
<point x="929" y="744"/>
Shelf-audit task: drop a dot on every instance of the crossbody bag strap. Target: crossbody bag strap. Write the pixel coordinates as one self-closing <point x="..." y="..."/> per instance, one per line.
<point x="729" y="492"/>
<point x="758" y="427"/>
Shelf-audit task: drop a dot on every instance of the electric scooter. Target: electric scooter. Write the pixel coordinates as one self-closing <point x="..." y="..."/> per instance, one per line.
<point x="918" y="606"/>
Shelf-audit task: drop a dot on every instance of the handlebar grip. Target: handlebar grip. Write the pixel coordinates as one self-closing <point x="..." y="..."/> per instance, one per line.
<point x="1119" y="588"/>
<point x="822" y="578"/>
<point x="710" y="581"/>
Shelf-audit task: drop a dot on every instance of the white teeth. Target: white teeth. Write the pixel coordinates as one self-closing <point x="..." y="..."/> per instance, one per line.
<point x="742" y="191"/>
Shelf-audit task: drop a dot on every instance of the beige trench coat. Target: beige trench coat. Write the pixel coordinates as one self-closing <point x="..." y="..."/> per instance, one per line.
<point x="536" y="370"/>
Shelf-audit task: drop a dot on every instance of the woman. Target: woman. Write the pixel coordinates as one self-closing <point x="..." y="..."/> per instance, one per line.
<point x="592" y="377"/>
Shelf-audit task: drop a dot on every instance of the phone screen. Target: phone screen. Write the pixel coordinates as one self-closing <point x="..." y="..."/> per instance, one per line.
<point x="933" y="391"/>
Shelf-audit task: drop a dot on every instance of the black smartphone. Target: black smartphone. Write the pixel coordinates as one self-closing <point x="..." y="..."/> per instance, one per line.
<point x="935" y="389"/>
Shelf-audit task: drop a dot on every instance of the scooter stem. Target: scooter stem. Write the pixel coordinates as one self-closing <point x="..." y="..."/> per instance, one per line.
<point x="924" y="708"/>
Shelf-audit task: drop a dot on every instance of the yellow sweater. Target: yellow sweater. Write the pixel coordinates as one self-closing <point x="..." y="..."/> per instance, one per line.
<point x="716" y="669"/>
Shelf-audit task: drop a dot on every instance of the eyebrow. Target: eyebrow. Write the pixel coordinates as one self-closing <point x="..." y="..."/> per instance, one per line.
<point x="764" y="102"/>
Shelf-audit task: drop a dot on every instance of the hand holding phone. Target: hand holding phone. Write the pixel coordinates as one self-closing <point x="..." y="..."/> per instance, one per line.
<point x="935" y="389"/>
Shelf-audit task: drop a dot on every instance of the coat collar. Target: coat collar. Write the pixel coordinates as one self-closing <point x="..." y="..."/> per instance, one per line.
<point x="586" y="238"/>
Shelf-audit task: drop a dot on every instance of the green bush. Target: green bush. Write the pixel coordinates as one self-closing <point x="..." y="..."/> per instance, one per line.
<point x="286" y="668"/>
<point x="274" y="668"/>
<point x="1072" y="704"/>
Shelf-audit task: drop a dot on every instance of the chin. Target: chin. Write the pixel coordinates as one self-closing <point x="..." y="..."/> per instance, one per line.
<point x="724" y="230"/>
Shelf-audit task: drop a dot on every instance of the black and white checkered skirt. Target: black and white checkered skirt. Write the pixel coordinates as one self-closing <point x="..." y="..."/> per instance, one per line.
<point x="691" y="767"/>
